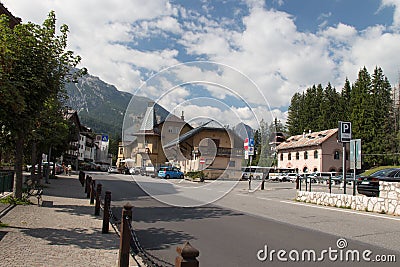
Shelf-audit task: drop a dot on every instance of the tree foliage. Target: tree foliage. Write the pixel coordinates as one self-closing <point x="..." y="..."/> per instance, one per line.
<point x="367" y="104"/>
<point x="34" y="66"/>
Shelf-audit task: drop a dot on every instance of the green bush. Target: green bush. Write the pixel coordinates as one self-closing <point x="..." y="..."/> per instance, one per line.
<point x="196" y="174"/>
<point x="17" y="201"/>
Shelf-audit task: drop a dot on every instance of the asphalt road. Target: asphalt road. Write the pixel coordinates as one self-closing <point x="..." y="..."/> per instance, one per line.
<point x="240" y="225"/>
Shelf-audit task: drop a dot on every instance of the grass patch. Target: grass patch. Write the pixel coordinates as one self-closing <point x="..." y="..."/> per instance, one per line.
<point x="17" y="201"/>
<point x="3" y="225"/>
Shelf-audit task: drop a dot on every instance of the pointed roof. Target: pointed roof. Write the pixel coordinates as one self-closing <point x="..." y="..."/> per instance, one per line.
<point x="149" y="120"/>
<point x="305" y="140"/>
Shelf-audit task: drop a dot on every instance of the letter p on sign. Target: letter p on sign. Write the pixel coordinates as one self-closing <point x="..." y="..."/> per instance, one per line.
<point x="344" y="134"/>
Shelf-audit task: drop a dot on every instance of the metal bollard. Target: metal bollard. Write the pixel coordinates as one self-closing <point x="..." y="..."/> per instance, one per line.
<point x="187" y="256"/>
<point x="106" y="215"/>
<point x="88" y="184"/>
<point x="125" y="240"/>
<point x="92" y="191"/>
<point x="98" y="199"/>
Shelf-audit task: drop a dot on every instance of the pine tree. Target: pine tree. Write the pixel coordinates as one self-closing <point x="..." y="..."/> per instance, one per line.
<point x="345" y="107"/>
<point x="294" y="123"/>
<point x="361" y="115"/>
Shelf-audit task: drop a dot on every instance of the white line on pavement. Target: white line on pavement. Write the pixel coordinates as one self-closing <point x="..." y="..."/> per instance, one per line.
<point x="264" y="198"/>
<point x="342" y="210"/>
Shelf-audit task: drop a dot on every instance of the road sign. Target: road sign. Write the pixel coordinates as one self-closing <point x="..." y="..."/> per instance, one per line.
<point x="246" y="144"/>
<point x="344" y="133"/>
<point x="104" y="138"/>
<point x="251" y="142"/>
<point x="202" y="161"/>
<point x="246" y="154"/>
<point x="251" y="150"/>
<point x="355" y="154"/>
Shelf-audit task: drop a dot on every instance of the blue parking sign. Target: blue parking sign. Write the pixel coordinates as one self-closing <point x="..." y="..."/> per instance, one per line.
<point x="251" y="142"/>
<point x="104" y="138"/>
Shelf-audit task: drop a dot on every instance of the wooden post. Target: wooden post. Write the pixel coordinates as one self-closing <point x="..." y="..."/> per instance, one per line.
<point x="125" y="240"/>
<point x="98" y="199"/>
<point x="82" y="178"/>
<point x="187" y="256"/>
<point x="88" y="184"/>
<point x="106" y="215"/>
<point x="92" y="191"/>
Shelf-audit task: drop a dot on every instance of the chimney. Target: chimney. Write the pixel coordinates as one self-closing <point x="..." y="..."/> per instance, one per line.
<point x="304" y="133"/>
<point x="182" y="116"/>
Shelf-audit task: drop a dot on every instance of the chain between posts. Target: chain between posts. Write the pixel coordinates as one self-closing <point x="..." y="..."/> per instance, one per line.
<point x="132" y="246"/>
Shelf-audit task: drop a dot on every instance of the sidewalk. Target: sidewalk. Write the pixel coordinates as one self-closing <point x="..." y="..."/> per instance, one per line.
<point x="62" y="232"/>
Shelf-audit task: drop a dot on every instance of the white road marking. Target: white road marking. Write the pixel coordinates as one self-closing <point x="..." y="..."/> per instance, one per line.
<point x="341" y="210"/>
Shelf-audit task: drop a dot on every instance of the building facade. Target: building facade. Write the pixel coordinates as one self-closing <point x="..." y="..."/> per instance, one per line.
<point x="312" y="152"/>
<point x="216" y="151"/>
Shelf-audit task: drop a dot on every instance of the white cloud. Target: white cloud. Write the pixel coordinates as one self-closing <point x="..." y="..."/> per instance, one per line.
<point x="269" y="49"/>
<point x="396" y="15"/>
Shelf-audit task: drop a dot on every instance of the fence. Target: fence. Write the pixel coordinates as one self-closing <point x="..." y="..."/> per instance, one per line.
<point x="6" y="182"/>
<point x="129" y="242"/>
<point x="325" y="183"/>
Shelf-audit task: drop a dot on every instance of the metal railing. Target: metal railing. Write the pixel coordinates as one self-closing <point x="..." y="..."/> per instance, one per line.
<point x="323" y="183"/>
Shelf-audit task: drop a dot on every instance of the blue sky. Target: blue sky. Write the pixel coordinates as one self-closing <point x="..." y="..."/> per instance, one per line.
<point x="262" y="52"/>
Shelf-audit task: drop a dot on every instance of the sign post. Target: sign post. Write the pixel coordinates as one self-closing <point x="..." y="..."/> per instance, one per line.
<point x="344" y="136"/>
<point x="249" y="152"/>
<point x="355" y="159"/>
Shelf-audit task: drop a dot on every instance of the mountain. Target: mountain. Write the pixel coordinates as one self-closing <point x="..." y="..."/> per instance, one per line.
<point x="101" y="106"/>
<point x="244" y="131"/>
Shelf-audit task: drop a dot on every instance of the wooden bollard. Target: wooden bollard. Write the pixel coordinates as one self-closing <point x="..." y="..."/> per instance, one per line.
<point x="106" y="215"/>
<point x="98" y="199"/>
<point x="82" y="178"/>
<point x="88" y="184"/>
<point x="125" y="239"/>
<point x="187" y="256"/>
<point x="92" y="191"/>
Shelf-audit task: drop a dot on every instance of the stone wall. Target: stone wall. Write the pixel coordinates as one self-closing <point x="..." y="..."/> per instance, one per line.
<point x="388" y="201"/>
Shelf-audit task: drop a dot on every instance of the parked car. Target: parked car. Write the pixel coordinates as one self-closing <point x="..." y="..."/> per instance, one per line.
<point x="134" y="170"/>
<point x="369" y="185"/>
<point x="170" y="172"/>
<point x="292" y="177"/>
<point x="113" y="169"/>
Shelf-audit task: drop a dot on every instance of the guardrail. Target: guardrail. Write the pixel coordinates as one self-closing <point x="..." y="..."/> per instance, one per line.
<point x="330" y="182"/>
<point x="6" y="182"/>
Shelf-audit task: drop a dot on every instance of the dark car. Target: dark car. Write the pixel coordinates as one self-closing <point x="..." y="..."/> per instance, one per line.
<point x="369" y="185"/>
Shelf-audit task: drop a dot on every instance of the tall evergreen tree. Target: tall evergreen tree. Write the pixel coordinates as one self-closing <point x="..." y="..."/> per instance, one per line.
<point x="362" y="109"/>
<point x="345" y="107"/>
<point x="382" y="113"/>
<point x="294" y="123"/>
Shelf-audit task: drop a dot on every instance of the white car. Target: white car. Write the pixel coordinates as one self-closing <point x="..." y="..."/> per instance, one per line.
<point x="113" y="169"/>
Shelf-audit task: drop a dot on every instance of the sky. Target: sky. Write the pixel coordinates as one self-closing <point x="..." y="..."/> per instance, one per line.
<point x="233" y="61"/>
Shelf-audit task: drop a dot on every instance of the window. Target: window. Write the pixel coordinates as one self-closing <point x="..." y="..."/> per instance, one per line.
<point x="289" y="156"/>
<point x="336" y="155"/>
<point x="281" y="156"/>
<point x="297" y="155"/>
<point x="121" y="150"/>
<point x="315" y="154"/>
<point x="305" y="155"/>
